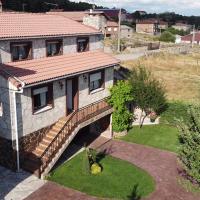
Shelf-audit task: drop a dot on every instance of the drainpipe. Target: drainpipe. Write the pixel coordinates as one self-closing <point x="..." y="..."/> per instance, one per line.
<point x="20" y="91"/>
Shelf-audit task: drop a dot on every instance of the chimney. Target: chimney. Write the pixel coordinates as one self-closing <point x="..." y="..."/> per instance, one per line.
<point x="1" y="6"/>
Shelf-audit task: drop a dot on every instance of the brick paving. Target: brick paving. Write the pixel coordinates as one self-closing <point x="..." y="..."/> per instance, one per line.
<point x="161" y="165"/>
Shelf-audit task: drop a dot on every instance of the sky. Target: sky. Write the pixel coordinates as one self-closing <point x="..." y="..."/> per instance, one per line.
<point x="184" y="7"/>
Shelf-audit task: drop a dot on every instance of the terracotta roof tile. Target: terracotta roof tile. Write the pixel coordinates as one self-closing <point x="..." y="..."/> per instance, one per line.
<point x="17" y="25"/>
<point x="38" y="70"/>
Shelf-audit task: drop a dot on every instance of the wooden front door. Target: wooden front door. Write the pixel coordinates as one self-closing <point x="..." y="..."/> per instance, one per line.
<point x="72" y="94"/>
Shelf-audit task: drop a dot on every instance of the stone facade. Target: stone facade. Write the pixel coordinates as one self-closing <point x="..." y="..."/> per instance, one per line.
<point x="5" y="118"/>
<point x="86" y="98"/>
<point x="28" y="122"/>
<point x="146" y="28"/>
<point x="39" y="47"/>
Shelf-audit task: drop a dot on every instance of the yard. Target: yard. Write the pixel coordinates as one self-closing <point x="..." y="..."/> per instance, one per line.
<point x="179" y="73"/>
<point x="119" y="179"/>
<point x="159" y="136"/>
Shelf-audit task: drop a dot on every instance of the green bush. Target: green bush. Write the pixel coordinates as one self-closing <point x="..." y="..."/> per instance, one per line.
<point x="175" y="110"/>
<point x="190" y="143"/>
<point x="177" y="32"/>
<point x="121" y="95"/>
<point x="167" y="37"/>
<point x="95" y="169"/>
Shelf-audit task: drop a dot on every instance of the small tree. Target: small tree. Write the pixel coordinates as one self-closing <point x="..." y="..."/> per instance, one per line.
<point x="189" y="153"/>
<point x="148" y="92"/>
<point x="167" y="37"/>
<point x="121" y="95"/>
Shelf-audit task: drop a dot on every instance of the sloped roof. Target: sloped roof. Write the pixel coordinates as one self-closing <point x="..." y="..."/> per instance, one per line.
<point x="190" y="36"/>
<point x="112" y="24"/>
<point x="25" y="25"/>
<point x="44" y="69"/>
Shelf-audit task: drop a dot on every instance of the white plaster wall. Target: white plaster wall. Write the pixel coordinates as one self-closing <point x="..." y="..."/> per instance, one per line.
<point x="85" y="98"/>
<point x="29" y="122"/>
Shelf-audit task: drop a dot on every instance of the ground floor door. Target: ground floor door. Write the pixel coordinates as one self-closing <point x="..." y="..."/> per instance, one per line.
<point x="72" y="94"/>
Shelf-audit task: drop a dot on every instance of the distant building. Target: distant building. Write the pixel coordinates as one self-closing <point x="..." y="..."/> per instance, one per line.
<point x="182" y="26"/>
<point x="162" y="25"/>
<point x="149" y="26"/>
<point x="112" y="29"/>
<point x="141" y="12"/>
<point x="126" y="31"/>
<point x="188" y="38"/>
<point x="114" y="13"/>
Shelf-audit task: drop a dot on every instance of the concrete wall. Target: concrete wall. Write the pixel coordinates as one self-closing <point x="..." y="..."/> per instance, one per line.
<point x="39" y="47"/>
<point x="86" y="98"/>
<point x="145" y="28"/>
<point x="126" y="31"/>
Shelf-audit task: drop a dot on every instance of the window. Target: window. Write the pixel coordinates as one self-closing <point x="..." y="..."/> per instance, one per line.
<point x="115" y="29"/>
<point x="42" y="98"/>
<point x="54" y="47"/>
<point x="82" y="44"/>
<point x="96" y="81"/>
<point x="21" y="51"/>
<point x="109" y="29"/>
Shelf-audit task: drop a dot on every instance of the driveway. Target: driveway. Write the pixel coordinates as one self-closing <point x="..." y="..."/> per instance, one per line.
<point x="17" y="186"/>
<point x="161" y="165"/>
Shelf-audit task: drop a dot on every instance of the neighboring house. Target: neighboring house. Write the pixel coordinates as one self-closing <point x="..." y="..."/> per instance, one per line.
<point x="54" y="78"/>
<point x="149" y="26"/>
<point x="114" y="13"/>
<point x="182" y="26"/>
<point x="189" y="38"/>
<point x="162" y="25"/>
<point x="126" y="31"/>
<point x="112" y="29"/>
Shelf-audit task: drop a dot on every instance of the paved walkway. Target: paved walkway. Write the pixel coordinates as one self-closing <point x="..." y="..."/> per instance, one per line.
<point x="161" y="165"/>
<point x="17" y="186"/>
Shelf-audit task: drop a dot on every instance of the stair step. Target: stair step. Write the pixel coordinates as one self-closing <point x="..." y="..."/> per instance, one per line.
<point x="45" y="143"/>
<point x="56" y="128"/>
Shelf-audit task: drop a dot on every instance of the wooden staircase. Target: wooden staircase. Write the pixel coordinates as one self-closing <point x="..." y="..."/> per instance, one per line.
<point x="55" y="141"/>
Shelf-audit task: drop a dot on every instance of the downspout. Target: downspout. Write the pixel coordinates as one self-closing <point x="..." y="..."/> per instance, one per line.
<point x="20" y="91"/>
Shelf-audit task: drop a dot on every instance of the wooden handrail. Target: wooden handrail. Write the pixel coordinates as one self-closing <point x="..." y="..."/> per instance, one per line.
<point x="79" y="116"/>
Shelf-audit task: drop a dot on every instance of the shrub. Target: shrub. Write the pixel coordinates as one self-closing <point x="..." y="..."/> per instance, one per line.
<point x="121" y="95"/>
<point x="175" y="110"/>
<point x="189" y="154"/>
<point x="95" y="169"/>
<point x="148" y="93"/>
<point x="167" y="37"/>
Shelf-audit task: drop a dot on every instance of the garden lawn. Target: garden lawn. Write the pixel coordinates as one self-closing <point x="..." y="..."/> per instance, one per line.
<point x="119" y="179"/>
<point x="159" y="136"/>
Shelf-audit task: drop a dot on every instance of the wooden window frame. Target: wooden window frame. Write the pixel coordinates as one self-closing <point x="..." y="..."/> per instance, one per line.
<point x="102" y="80"/>
<point x="60" y="41"/>
<point x="22" y="43"/>
<point x="50" y="100"/>
<point x="88" y="45"/>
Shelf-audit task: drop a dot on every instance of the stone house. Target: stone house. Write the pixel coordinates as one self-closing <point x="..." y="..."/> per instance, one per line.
<point x="182" y="26"/>
<point x="149" y="26"/>
<point x="54" y="79"/>
<point x="126" y="31"/>
<point x="112" y="29"/>
<point x="191" y="38"/>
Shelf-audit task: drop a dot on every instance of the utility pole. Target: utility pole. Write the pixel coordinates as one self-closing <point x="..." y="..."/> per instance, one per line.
<point x="119" y="31"/>
<point x="193" y="36"/>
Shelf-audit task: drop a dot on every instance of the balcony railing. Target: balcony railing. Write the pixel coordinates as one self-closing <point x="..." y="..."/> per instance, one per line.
<point x="77" y="117"/>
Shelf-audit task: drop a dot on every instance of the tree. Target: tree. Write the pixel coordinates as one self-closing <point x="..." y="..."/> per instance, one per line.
<point x="167" y="37"/>
<point x="121" y="95"/>
<point x="148" y="93"/>
<point x="189" y="153"/>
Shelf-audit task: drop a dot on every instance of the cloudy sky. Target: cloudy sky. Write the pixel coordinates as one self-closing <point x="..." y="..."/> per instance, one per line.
<point x="186" y="7"/>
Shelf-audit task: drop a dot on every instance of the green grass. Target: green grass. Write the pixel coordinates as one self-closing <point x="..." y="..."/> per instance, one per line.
<point x="158" y="136"/>
<point x="119" y="179"/>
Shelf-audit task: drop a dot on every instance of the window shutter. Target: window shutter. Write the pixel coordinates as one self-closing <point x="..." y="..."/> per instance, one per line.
<point x="50" y="94"/>
<point x="103" y="79"/>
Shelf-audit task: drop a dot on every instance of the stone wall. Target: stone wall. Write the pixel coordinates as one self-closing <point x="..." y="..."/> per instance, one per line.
<point x="28" y="122"/>
<point x="39" y="47"/>
<point x="86" y="98"/>
<point x="145" y="28"/>
<point x="5" y="119"/>
<point x="7" y="154"/>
